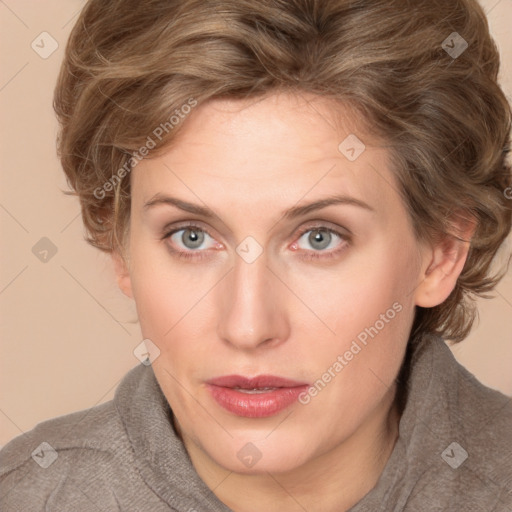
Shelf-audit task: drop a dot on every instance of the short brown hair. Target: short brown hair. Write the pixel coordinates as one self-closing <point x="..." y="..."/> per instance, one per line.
<point x="404" y="66"/>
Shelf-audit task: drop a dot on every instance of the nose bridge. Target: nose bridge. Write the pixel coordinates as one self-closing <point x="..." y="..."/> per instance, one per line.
<point x="252" y="312"/>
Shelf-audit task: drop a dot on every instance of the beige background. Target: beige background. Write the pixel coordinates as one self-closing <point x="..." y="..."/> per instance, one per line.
<point x="67" y="332"/>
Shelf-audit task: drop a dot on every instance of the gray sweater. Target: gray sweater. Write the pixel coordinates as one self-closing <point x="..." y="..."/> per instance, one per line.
<point x="454" y="451"/>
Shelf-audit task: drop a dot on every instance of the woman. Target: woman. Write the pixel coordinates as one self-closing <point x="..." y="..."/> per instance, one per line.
<point x="301" y="197"/>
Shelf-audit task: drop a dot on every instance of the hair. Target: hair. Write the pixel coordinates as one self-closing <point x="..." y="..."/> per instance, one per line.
<point x="130" y="67"/>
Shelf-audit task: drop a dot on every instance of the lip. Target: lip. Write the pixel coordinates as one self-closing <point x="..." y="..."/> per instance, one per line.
<point x="282" y="393"/>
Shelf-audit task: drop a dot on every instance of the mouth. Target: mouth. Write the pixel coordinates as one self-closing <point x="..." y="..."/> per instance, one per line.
<point x="258" y="397"/>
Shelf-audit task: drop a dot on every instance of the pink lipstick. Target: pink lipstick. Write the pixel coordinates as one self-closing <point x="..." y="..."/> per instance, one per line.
<point x="258" y="397"/>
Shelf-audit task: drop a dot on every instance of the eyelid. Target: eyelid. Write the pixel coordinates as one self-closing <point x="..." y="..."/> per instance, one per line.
<point x="328" y="226"/>
<point x="324" y="255"/>
<point x="169" y="230"/>
<point x="177" y="225"/>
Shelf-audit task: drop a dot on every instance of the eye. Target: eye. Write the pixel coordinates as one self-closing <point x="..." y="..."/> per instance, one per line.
<point x="190" y="241"/>
<point x="191" y="238"/>
<point x="194" y="242"/>
<point x="325" y="242"/>
<point x="319" y="239"/>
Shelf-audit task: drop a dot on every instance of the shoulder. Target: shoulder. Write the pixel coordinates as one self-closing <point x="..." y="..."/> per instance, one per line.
<point x="460" y="398"/>
<point x="483" y="416"/>
<point x="473" y="424"/>
<point x="41" y="459"/>
<point x="479" y="411"/>
<point x="82" y="429"/>
<point x="47" y="467"/>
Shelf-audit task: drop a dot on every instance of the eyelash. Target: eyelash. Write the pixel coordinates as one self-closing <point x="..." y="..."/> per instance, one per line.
<point x="324" y="255"/>
<point x="313" y="255"/>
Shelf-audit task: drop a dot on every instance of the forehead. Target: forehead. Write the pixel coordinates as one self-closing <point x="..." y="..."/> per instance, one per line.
<point x="269" y="151"/>
<point x="281" y="125"/>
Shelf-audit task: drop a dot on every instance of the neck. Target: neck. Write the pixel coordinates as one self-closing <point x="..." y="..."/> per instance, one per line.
<point x="332" y="482"/>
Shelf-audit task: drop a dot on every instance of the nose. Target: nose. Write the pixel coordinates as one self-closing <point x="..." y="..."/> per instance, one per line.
<point x="252" y="307"/>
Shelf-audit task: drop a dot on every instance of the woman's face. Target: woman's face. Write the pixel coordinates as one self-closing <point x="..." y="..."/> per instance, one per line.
<point x="265" y="245"/>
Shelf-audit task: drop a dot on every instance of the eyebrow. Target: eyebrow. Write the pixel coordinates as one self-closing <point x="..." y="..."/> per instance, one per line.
<point x="291" y="213"/>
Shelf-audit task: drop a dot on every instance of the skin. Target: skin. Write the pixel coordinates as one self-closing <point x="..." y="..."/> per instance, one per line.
<point x="283" y="314"/>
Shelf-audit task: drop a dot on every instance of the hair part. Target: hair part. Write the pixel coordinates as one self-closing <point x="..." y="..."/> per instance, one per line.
<point x="130" y="66"/>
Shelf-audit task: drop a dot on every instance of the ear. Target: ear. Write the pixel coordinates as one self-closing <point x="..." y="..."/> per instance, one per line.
<point x="123" y="274"/>
<point x="443" y="263"/>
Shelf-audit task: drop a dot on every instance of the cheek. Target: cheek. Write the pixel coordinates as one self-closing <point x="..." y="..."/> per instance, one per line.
<point x="351" y="296"/>
<point x="377" y="320"/>
<point x="159" y="295"/>
<point x="347" y="298"/>
<point x="173" y="308"/>
<point x="368" y="305"/>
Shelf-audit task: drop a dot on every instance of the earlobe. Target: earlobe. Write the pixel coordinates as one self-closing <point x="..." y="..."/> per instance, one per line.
<point x="122" y="274"/>
<point x="443" y="264"/>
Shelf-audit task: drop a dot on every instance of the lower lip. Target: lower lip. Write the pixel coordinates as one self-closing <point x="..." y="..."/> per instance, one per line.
<point x="257" y="405"/>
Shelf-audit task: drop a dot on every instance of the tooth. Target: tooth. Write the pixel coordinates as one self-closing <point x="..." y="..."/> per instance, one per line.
<point x="254" y="390"/>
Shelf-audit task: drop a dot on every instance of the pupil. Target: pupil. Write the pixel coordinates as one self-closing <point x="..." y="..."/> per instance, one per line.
<point x="319" y="239"/>
<point x="192" y="238"/>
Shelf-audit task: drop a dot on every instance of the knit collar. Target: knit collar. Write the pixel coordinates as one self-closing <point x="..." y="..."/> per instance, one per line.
<point x="426" y="384"/>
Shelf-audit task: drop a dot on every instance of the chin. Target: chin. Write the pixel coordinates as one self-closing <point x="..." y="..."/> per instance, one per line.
<point x="260" y="454"/>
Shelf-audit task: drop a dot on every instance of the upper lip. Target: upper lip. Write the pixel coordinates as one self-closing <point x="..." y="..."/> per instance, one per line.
<point x="260" y="381"/>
